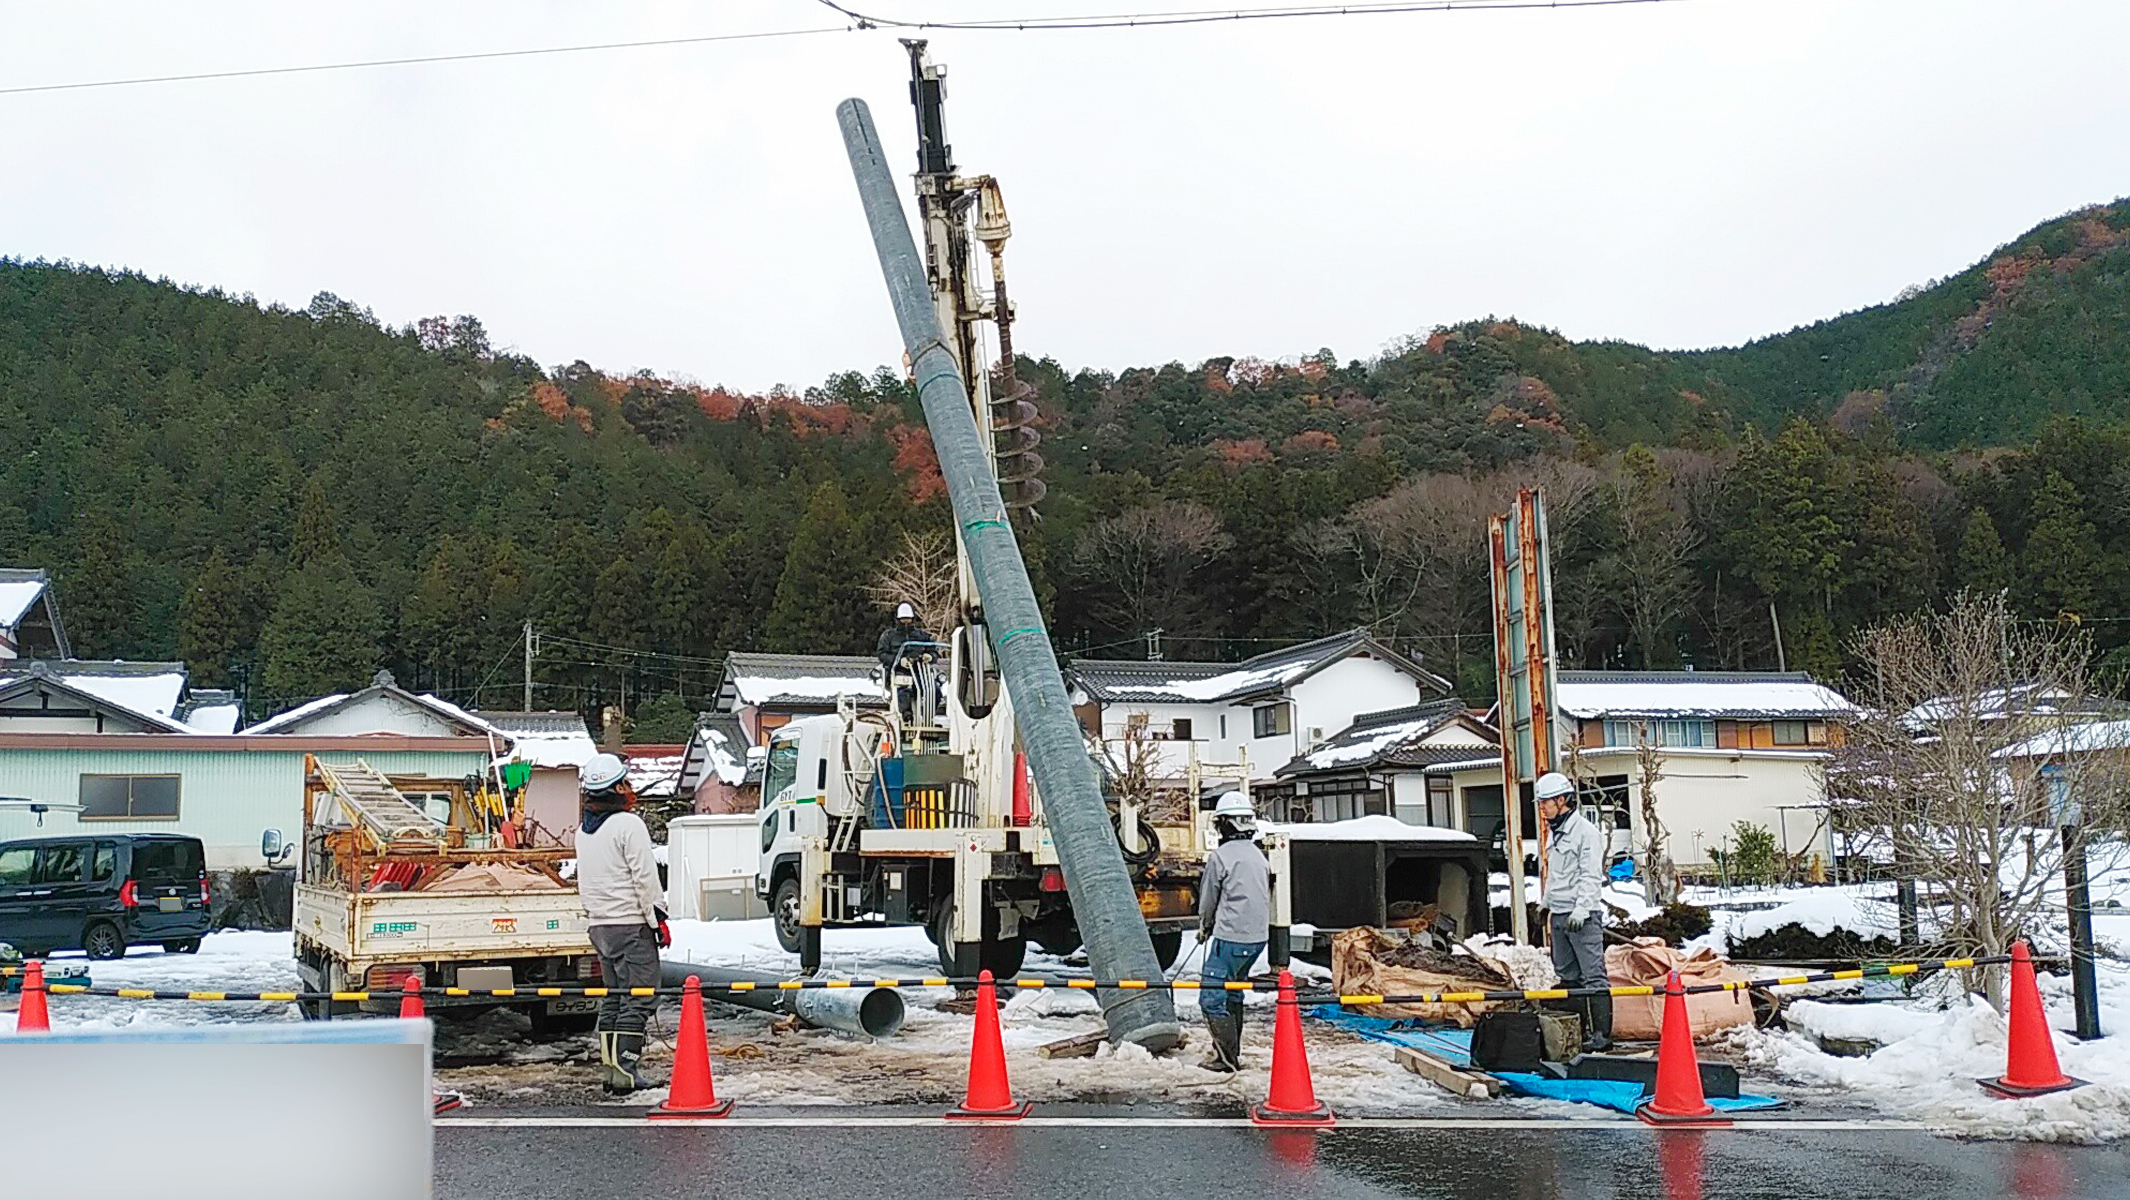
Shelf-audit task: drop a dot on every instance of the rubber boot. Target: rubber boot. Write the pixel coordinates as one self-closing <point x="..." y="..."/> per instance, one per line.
<point x="1225" y="1055"/>
<point x="628" y="1064"/>
<point x="1597" y="1024"/>
<point x="1231" y="1039"/>
<point x="612" y="1079"/>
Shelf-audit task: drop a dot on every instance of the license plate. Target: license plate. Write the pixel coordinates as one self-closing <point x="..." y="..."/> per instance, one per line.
<point x="565" y="1007"/>
<point x="170" y="904"/>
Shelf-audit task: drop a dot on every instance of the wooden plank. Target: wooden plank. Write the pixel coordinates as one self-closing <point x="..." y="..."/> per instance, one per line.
<point x="1079" y="1046"/>
<point x="1472" y="1085"/>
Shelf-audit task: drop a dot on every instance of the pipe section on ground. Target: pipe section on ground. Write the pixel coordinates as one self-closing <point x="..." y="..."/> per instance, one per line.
<point x="1104" y="903"/>
<point x="870" y="1012"/>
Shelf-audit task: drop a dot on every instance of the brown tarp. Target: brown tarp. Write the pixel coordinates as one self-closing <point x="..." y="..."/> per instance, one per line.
<point x="1649" y="961"/>
<point x="491" y="877"/>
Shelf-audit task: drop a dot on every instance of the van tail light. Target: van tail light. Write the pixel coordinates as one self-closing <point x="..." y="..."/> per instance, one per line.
<point x="206" y="898"/>
<point x="1051" y="880"/>
<point x="126" y="895"/>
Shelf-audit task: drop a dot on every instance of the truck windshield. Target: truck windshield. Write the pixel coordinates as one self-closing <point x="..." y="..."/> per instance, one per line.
<point x="783" y="769"/>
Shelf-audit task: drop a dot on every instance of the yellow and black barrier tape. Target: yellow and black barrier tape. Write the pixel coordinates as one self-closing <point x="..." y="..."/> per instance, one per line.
<point x="1305" y="993"/>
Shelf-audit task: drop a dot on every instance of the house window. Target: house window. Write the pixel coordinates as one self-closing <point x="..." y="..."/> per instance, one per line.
<point x="1438" y="801"/>
<point x="1271" y="720"/>
<point x="129" y="797"/>
<point x="1181" y="731"/>
<point x="1791" y="733"/>
<point x="1223" y="727"/>
<point x="1684" y="734"/>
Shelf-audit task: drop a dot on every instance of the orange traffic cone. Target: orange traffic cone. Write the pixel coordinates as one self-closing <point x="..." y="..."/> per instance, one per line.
<point x="2030" y="1057"/>
<point x="692" y="1094"/>
<point x="1293" y="1100"/>
<point x="1678" y="1100"/>
<point x="990" y="1097"/>
<point x="33" y="1017"/>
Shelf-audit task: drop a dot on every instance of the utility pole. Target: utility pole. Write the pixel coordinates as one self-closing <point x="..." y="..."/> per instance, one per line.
<point x="1782" y="661"/>
<point x="528" y="665"/>
<point x="2067" y="812"/>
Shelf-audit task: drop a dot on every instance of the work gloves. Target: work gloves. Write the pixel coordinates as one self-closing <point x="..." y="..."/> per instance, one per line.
<point x="665" y="932"/>
<point x="1576" y="921"/>
<point x="1203" y="934"/>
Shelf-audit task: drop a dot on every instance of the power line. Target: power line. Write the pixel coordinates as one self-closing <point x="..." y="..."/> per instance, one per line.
<point x="1210" y="16"/>
<point x="425" y="59"/>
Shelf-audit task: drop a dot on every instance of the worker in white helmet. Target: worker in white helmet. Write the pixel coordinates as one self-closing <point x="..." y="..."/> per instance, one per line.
<point x="905" y="639"/>
<point x="1574" y="902"/>
<point x="1235" y="912"/>
<point x="617" y="881"/>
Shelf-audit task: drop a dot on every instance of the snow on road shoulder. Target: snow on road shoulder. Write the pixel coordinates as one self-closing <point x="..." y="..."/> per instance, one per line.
<point x="229" y="961"/>
<point x="1930" y="1058"/>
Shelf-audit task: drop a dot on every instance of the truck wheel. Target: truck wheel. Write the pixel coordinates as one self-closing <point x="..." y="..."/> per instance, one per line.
<point x="1167" y="946"/>
<point x="784" y="908"/>
<point x="102" y="940"/>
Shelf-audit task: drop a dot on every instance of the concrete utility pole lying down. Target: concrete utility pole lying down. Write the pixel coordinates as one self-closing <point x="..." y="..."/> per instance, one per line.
<point x="1103" y="901"/>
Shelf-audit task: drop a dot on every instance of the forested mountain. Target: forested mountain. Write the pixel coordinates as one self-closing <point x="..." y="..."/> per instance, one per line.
<point x="289" y="500"/>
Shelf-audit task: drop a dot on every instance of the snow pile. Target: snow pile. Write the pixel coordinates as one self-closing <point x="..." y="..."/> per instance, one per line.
<point x="1363" y="748"/>
<point x="1932" y="1056"/>
<point x="230" y="961"/>
<point x="16" y="596"/>
<point x="1217" y="687"/>
<point x="1820" y="911"/>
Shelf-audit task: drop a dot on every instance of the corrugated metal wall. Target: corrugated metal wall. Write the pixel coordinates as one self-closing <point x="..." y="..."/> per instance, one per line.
<point x="226" y="798"/>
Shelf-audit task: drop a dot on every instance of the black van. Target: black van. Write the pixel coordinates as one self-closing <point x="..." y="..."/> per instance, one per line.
<point x="101" y="893"/>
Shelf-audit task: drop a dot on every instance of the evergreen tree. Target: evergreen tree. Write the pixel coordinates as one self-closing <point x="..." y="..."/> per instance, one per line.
<point x="664" y="719"/>
<point x="1981" y="564"/>
<point x="98" y="587"/>
<point x="316" y="536"/>
<point x="2057" y="565"/>
<point x="820" y="605"/>
<point x="216" y="624"/>
<point x="323" y="637"/>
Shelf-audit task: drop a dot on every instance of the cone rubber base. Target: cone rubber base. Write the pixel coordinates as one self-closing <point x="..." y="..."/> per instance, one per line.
<point x="446" y="1101"/>
<point x="1648" y="1115"/>
<point x="1014" y="1113"/>
<point x="2013" y="1091"/>
<point x="662" y="1113"/>
<point x="1320" y="1118"/>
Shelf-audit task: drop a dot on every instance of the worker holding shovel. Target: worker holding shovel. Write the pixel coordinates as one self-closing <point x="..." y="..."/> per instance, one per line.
<point x="1235" y="911"/>
<point x="1574" y="900"/>
<point x="617" y="879"/>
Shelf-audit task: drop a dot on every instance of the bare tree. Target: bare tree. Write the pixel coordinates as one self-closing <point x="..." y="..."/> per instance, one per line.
<point x="1661" y="873"/>
<point x="1657" y="542"/>
<point x="1942" y="773"/>
<point x="920" y="574"/>
<point x="1134" y="766"/>
<point x="1146" y="563"/>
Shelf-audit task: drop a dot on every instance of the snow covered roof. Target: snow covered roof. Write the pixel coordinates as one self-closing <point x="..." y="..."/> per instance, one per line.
<point x="211" y="710"/>
<point x="1393" y="736"/>
<point x="654" y="770"/>
<point x="1210" y="683"/>
<point x="2072" y="739"/>
<point x="718" y="750"/>
<point x="148" y="691"/>
<point x="1746" y="695"/>
<point x="1368" y="829"/>
<point x="799" y="680"/>
<point x="18" y="590"/>
<point x="1997" y="704"/>
<point x="544" y="739"/>
<point x="293" y="719"/>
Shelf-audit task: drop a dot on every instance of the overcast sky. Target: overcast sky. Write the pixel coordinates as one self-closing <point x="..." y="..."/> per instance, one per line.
<point x="1682" y="174"/>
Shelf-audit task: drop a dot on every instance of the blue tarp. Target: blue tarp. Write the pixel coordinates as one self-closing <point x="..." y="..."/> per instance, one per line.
<point x="1454" y="1046"/>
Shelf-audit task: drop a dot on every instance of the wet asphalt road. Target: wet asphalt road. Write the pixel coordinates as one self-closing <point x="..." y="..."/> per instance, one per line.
<point x="1496" y="1160"/>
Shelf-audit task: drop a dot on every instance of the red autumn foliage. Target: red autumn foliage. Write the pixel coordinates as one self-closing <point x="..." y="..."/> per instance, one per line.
<point x="1309" y="440"/>
<point x="1438" y="341"/>
<point x="915" y="457"/>
<point x="1237" y="453"/>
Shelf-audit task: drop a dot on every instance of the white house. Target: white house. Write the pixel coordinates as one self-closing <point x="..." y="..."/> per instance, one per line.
<point x="1730" y="746"/>
<point x="29" y="616"/>
<point x="556" y="744"/>
<point x="1274" y="707"/>
<point x="1378" y="766"/>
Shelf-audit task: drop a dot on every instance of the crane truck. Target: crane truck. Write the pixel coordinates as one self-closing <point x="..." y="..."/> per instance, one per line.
<point x="926" y="814"/>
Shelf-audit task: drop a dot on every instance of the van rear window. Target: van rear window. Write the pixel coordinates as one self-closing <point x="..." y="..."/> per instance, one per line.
<point x="168" y="860"/>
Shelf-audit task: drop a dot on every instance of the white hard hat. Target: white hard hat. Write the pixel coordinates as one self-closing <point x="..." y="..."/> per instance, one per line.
<point x="1234" y="804"/>
<point x="1553" y="784"/>
<point x="905" y="609"/>
<point x="600" y="772"/>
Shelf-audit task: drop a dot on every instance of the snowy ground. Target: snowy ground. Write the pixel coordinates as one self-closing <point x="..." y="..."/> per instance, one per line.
<point x="1935" y="1044"/>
